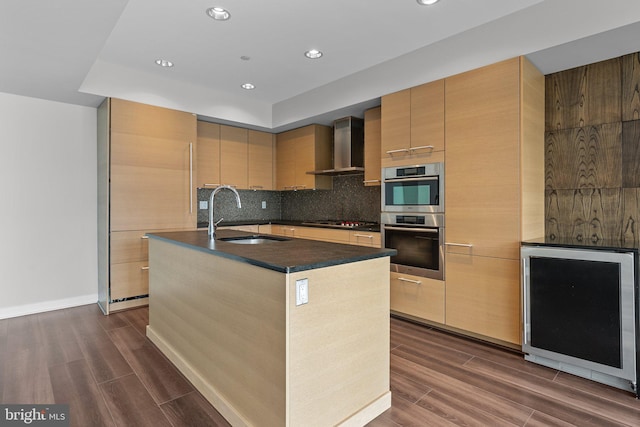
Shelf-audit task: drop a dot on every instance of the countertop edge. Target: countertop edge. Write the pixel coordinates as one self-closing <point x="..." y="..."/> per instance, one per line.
<point x="286" y="269"/>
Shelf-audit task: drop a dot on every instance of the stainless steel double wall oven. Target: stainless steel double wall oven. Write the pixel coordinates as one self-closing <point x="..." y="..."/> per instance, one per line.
<point x="412" y="218"/>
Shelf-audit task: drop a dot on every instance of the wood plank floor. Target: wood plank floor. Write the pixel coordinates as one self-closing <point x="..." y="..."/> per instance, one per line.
<point x="111" y="375"/>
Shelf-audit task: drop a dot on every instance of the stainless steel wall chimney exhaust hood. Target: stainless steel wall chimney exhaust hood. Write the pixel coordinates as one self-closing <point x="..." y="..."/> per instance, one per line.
<point x="348" y="148"/>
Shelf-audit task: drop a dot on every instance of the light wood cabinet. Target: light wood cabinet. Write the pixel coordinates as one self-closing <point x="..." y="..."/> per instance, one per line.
<point x="412" y="125"/>
<point x="146" y="181"/>
<point x="419" y="297"/>
<point x="372" y="141"/>
<point x="494" y="174"/>
<point x="352" y="237"/>
<point x="261" y="161"/>
<point x="299" y="151"/>
<point x="208" y="159"/>
<point x="152" y="183"/>
<point x="251" y="228"/>
<point x="234" y="155"/>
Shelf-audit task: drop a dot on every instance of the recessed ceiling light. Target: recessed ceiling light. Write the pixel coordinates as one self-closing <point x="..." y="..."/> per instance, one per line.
<point x="313" y="54"/>
<point x="248" y="86"/>
<point x="426" y="2"/>
<point x="164" y="63"/>
<point x="218" y="13"/>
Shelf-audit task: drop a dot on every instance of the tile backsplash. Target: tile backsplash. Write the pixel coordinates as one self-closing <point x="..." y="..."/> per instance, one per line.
<point x="349" y="199"/>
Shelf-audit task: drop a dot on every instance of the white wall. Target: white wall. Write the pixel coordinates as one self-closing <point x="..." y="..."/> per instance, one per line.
<point x="48" y="255"/>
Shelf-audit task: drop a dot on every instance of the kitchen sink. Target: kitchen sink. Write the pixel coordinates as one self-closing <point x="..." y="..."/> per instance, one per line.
<point x="253" y="240"/>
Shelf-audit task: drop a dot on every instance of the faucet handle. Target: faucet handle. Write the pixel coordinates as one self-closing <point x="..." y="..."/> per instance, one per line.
<point x="218" y="222"/>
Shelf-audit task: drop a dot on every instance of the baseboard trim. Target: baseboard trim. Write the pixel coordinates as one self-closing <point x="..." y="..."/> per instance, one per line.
<point x="41" y="307"/>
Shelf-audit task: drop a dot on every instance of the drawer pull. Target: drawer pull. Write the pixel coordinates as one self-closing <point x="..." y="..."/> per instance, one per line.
<point x="462" y="245"/>
<point x="211" y="185"/>
<point x="363" y="235"/>
<point x="144" y="268"/>
<point x="417" y="282"/>
<point x="401" y="150"/>
<point x="369" y="181"/>
<point x="423" y="147"/>
<point x="144" y="237"/>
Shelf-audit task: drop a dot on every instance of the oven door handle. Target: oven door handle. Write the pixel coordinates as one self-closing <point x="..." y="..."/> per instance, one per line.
<point x="421" y="230"/>
<point x="419" y="178"/>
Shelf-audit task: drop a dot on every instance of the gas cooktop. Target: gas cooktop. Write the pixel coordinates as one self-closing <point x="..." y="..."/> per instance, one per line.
<point x="338" y="223"/>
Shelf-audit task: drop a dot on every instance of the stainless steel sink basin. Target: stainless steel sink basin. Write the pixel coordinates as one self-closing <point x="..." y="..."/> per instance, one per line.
<point x="253" y="240"/>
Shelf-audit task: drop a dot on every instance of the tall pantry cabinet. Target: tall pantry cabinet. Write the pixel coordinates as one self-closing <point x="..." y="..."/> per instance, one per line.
<point x="146" y="182"/>
<point x="494" y="193"/>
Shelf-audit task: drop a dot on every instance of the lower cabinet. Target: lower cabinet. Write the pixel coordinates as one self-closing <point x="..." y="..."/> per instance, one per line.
<point x="129" y="263"/>
<point x="253" y="228"/>
<point x="483" y="297"/>
<point x="418" y="297"/>
<point x="352" y="237"/>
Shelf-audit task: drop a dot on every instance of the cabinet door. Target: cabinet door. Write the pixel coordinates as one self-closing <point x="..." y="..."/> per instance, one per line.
<point x="372" y="165"/>
<point x="427" y="120"/>
<point x="483" y="296"/>
<point x="482" y="178"/>
<point x="261" y="160"/>
<point x="286" y="159"/>
<point x="323" y="234"/>
<point x="233" y="156"/>
<point x="208" y="155"/>
<point x="395" y="127"/>
<point x="152" y="159"/>
<point x="129" y="279"/>
<point x="417" y="296"/>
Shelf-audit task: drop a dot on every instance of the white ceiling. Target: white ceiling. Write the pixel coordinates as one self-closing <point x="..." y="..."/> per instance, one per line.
<point x="79" y="51"/>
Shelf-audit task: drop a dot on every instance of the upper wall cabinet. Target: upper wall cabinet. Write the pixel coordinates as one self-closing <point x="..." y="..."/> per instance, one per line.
<point x="412" y="125"/>
<point x="234" y="156"/>
<point x="261" y="152"/>
<point x="372" y="165"/>
<point x="208" y="155"/>
<point x="299" y="151"/>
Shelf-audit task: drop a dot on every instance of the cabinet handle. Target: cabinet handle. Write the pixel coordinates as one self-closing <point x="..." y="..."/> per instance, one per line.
<point x="367" y="181"/>
<point x="290" y="186"/>
<point x="191" y="177"/>
<point x="422" y="147"/>
<point x="299" y="186"/>
<point x="144" y="237"/>
<point x="368" y="236"/>
<point x="417" y="282"/>
<point x="462" y="245"/>
<point x="211" y="185"/>
<point x="401" y="150"/>
<point x="144" y="268"/>
<point x="525" y="301"/>
<point x="256" y="187"/>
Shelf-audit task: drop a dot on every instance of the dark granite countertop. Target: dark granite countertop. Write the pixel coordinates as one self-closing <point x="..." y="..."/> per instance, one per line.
<point x="287" y="256"/>
<point x="299" y="223"/>
<point x="593" y="244"/>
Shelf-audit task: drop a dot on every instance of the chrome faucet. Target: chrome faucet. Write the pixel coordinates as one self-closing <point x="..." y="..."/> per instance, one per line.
<point x="213" y="225"/>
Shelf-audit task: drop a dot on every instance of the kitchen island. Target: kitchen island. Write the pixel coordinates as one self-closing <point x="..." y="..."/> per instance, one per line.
<point x="230" y="317"/>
